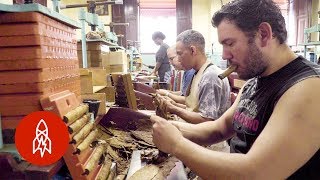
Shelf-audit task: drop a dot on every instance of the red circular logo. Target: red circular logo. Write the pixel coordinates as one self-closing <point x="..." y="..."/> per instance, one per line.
<point x="42" y="138"/>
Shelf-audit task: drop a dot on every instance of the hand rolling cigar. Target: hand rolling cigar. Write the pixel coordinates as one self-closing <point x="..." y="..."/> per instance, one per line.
<point x="228" y="71"/>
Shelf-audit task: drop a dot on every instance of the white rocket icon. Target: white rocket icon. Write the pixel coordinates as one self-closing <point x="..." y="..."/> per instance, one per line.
<point x="41" y="141"/>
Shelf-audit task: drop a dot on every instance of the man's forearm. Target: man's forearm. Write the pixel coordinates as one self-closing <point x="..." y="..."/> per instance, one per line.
<point x="158" y="64"/>
<point x="205" y="133"/>
<point x="183" y="106"/>
<point x="177" y="98"/>
<point x="210" y="164"/>
<point x="178" y="93"/>
<point x="191" y="117"/>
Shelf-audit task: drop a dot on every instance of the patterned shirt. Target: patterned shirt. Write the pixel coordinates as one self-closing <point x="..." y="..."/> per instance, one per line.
<point x="214" y="93"/>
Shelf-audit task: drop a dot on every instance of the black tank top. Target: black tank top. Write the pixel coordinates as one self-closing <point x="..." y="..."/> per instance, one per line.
<point x="259" y="97"/>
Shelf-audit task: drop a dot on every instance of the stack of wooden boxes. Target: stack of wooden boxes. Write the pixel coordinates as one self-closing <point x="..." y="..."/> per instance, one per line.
<point x="38" y="57"/>
<point x="96" y="51"/>
<point x="118" y="61"/>
<point x="99" y="55"/>
<point x="94" y="80"/>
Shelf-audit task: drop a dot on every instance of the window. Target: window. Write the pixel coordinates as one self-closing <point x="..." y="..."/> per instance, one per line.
<point x="152" y="20"/>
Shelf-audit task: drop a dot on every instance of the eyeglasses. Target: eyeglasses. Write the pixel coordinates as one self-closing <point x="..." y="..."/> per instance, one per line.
<point x="172" y="58"/>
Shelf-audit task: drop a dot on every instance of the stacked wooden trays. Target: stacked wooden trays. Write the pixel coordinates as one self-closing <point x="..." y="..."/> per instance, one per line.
<point x="38" y="57"/>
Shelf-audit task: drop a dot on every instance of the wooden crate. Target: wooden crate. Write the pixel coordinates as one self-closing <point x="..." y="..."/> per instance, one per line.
<point x="121" y="81"/>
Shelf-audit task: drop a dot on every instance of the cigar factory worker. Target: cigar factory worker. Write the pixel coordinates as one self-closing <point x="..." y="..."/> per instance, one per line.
<point x="186" y="78"/>
<point x="162" y="68"/>
<point x="207" y="97"/>
<point x="274" y="122"/>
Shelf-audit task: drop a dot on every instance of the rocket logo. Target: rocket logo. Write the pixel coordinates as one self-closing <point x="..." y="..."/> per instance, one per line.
<point x="42" y="138"/>
<point x="42" y="141"/>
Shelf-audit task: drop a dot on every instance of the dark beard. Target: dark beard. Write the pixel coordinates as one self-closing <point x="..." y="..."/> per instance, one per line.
<point x="256" y="63"/>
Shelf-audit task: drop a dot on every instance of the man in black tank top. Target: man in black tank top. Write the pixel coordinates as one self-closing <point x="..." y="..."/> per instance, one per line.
<point x="274" y="122"/>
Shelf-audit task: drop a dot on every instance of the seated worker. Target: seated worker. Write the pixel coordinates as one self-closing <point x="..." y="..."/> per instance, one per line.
<point x="274" y="122"/>
<point x="207" y="97"/>
<point x="186" y="79"/>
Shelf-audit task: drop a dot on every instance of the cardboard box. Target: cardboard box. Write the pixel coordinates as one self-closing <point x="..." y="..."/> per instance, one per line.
<point x="109" y="82"/>
<point x="93" y="45"/>
<point x="107" y="68"/>
<point x="105" y="59"/>
<point x="117" y="57"/>
<point x="95" y="54"/>
<point x="110" y="93"/>
<point x="99" y="76"/>
<point x="86" y="81"/>
<point x="118" y="68"/>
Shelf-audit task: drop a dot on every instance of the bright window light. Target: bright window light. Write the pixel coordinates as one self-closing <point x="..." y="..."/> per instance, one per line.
<point x="152" y="20"/>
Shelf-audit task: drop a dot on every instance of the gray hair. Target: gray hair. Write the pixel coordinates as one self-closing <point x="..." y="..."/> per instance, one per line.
<point x="173" y="47"/>
<point x="192" y="37"/>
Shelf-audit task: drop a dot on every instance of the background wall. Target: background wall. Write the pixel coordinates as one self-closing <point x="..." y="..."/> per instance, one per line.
<point x="149" y="59"/>
<point x="202" y="12"/>
<point x="73" y="13"/>
<point x="201" y="18"/>
<point x="6" y="1"/>
<point x="314" y="21"/>
<point x="315" y="18"/>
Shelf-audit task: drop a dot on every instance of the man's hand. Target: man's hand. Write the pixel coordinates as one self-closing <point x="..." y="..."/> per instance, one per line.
<point x="154" y="73"/>
<point x="162" y="92"/>
<point x="165" y="135"/>
<point x="169" y="104"/>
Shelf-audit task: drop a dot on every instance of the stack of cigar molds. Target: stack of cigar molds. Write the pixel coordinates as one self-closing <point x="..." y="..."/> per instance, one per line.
<point x="86" y="154"/>
<point x="38" y="57"/>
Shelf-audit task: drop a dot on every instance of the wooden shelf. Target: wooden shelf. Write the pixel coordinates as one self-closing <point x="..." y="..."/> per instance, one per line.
<point x="315" y="28"/>
<point x="310" y="43"/>
<point x="307" y="31"/>
<point x="98" y="88"/>
<point x="108" y="43"/>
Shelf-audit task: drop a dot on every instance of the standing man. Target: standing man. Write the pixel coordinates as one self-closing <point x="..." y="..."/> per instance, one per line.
<point x="208" y="97"/>
<point x="274" y="121"/>
<point x="162" y="68"/>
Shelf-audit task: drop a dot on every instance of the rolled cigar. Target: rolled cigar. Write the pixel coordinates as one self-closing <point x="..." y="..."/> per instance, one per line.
<point x="112" y="172"/>
<point x="76" y="126"/>
<point x="228" y="71"/>
<point x="105" y="170"/>
<point x="87" y="141"/>
<point x="121" y="177"/>
<point x="94" y="159"/>
<point x="80" y="136"/>
<point x="76" y="113"/>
